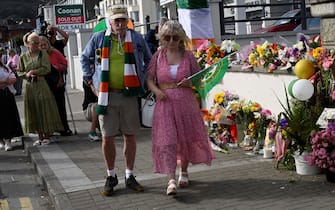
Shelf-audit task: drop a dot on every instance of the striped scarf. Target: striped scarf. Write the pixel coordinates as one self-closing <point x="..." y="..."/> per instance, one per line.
<point x="132" y="86"/>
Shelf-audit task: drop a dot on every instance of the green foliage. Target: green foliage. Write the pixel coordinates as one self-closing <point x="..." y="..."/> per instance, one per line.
<point x="300" y="119"/>
<point x="288" y="161"/>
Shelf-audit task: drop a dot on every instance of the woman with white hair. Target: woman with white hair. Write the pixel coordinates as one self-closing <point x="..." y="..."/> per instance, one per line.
<point x="40" y="109"/>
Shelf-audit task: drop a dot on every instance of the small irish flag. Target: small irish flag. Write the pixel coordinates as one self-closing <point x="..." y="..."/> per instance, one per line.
<point x="196" y="19"/>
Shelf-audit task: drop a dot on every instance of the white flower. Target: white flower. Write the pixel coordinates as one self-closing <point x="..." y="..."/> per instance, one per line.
<point x="229" y="46"/>
<point x="300" y="46"/>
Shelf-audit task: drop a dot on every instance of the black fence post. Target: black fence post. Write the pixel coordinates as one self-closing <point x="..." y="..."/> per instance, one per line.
<point x="147" y="22"/>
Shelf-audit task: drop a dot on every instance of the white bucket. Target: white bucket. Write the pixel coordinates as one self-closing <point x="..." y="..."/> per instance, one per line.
<point x="267" y="153"/>
<point x="303" y="168"/>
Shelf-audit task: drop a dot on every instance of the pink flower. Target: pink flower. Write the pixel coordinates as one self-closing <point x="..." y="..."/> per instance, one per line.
<point x="323" y="149"/>
<point x="327" y="63"/>
<point x="272" y="66"/>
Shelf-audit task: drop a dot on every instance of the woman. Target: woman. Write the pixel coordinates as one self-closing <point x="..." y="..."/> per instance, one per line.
<point x="58" y="64"/>
<point x="179" y="136"/>
<point x="41" y="114"/>
<point x="10" y="124"/>
<point x="55" y="80"/>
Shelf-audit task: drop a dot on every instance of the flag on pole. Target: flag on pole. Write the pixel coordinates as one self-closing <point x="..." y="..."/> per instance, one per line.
<point x="206" y="79"/>
<point x="196" y="19"/>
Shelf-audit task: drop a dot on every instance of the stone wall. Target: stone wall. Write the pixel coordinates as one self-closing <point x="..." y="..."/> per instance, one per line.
<point x="326" y="10"/>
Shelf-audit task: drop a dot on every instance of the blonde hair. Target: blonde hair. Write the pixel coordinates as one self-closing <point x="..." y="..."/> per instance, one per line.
<point x="174" y="27"/>
<point x="45" y="39"/>
<point x="28" y="36"/>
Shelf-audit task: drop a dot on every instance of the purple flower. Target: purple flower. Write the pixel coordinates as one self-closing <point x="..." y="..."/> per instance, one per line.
<point x="331" y="126"/>
<point x="295" y="51"/>
<point x="283" y="123"/>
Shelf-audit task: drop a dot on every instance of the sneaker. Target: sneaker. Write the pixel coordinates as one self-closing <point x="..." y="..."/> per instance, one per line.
<point x="37" y="143"/>
<point x="92" y="136"/>
<point x="110" y="183"/>
<point x="131" y="183"/>
<point x="67" y="132"/>
<point x="45" y="141"/>
<point x="8" y="145"/>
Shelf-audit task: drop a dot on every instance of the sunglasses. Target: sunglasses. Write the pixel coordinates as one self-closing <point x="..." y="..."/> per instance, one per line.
<point x="174" y="38"/>
<point x="98" y="54"/>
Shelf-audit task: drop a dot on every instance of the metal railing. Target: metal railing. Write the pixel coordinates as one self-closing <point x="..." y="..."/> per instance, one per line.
<point x="226" y="22"/>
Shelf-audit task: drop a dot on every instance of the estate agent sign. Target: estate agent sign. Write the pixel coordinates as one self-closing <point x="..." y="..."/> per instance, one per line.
<point x="69" y="17"/>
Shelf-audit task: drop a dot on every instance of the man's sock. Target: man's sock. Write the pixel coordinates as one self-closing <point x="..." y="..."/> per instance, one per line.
<point x="128" y="173"/>
<point x="111" y="172"/>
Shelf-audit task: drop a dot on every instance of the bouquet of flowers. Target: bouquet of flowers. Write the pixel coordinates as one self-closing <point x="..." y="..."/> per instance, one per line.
<point x="221" y="109"/>
<point x="245" y="111"/>
<point x="219" y="119"/>
<point x="209" y="53"/>
<point x="323" y="149"/>
<point x="260" y="124"/>
<point x="266" y="55"/>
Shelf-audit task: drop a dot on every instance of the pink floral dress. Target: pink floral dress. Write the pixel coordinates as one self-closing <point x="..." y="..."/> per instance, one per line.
<point x="178" y="130"/>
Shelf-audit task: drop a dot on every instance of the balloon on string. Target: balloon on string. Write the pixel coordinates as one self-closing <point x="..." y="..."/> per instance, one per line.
<point x="302" y="89"/>
<point x="304" y="69"/>
<point x="289" y="87"/>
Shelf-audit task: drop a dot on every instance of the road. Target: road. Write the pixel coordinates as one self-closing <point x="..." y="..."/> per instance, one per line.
<point x="19" y="185"/>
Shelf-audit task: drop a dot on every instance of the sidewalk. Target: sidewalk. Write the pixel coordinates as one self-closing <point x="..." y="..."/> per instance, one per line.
<point x="73" y="172"/>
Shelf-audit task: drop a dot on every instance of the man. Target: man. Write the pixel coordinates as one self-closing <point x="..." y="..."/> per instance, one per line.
<point x="121" y="58"/>
<point x="59" y="92"/>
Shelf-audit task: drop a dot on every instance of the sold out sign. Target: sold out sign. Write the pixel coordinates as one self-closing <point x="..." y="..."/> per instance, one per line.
<point x="69" y="14"/>
<point x="69" y="20"/>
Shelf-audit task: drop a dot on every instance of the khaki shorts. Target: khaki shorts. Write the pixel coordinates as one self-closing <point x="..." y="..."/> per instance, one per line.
<point x="122" y="116"/>
<point x="90" y="109"/>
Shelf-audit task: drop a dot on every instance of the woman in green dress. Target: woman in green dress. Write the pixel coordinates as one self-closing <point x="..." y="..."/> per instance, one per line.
<point x="40" y="109"/>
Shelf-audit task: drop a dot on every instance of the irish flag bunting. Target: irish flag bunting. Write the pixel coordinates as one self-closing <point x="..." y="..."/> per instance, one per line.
<point x="195" y="17"/>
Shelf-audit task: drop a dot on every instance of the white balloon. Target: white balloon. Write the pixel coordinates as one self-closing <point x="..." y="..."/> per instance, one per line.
<point x="303" y="89"/>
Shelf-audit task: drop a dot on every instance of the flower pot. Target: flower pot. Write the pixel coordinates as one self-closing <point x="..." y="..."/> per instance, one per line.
<point x="267" y="153"/>
<point x="330" y="176"/>
<point x="302" y="166"/>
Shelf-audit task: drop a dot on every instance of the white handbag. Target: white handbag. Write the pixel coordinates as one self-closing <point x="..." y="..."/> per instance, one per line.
<point x="148" y="105"/>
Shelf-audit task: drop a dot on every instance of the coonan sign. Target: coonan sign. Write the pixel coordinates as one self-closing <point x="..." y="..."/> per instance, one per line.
<point x="69" y="14"/>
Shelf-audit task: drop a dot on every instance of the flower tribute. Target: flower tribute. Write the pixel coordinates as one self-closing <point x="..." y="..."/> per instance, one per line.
<point x="209" y="53"/>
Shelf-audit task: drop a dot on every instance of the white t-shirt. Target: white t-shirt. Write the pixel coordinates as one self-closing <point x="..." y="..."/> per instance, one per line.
<point x="4" y="74"/>
<point x="173" y="71"/>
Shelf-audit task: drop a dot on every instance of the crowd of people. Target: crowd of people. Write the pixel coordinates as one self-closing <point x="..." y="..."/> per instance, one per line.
<point x="118" y="67"/>
<point x="39" y="73"/>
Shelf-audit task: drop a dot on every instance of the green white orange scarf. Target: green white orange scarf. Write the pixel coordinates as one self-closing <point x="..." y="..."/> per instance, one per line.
<point x="132" y="86"/>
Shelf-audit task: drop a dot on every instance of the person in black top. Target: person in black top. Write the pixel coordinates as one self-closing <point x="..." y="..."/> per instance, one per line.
<point x="152" y="39"/>
<point x="59" y="93"/>
<point x="59" y="44"/>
